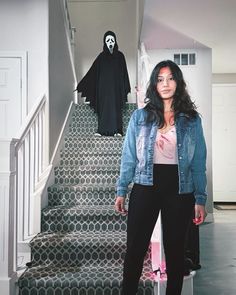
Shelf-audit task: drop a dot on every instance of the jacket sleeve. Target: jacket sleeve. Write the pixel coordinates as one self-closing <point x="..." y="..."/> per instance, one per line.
<point x="198" y="166"/>
<point x="128" y="159"/>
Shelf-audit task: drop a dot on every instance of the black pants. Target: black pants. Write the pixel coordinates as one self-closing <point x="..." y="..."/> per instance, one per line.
<point x="144" y="206"/>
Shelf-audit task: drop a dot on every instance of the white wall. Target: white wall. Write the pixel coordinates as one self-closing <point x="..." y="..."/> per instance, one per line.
<point x="198" y="79"/>
<point x="92" y="20"/>
<point x="223" y="78"/>
<point x="17" y="35"/>
<point x="224" y="141"/>
<point x="61" y="78"/>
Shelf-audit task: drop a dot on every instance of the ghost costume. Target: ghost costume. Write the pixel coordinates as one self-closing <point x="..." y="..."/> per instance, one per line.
<point x="106" y="86"/>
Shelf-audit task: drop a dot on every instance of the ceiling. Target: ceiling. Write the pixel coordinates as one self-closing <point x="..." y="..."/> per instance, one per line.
<point x="193" y="24"/>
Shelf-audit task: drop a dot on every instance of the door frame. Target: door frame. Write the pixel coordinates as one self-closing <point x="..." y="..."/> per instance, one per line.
<point x="23" y="55"/>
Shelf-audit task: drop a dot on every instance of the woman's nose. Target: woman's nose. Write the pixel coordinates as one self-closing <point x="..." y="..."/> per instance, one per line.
<point x="165" y="82"/>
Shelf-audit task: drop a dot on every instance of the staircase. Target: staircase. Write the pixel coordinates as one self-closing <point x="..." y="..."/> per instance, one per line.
<point x="80" y="250"/>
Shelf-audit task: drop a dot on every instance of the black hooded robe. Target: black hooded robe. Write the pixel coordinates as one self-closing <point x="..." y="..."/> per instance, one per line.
<point x="106" y="86"/>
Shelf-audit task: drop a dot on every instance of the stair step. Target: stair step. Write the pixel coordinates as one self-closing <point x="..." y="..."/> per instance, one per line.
<point x="88" y="131"/>
<point x="86" y="175"/>
<point x="81" y="195"/>
<point x="82" y="218"/>
<point x="78" y="123"/>
<point x="96" y="279"/>
<point x="82" y="120"/>
<point x="84" y="110"/>
<point x="76" y="248"/>
<point x="90" y="159"/>
<point x="94" y="143"/>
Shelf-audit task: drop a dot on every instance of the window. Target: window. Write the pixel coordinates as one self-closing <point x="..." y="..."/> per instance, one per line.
<point x="192" y="59"/>
<point x="177" y="59"/>
<point x="185" y="59"/>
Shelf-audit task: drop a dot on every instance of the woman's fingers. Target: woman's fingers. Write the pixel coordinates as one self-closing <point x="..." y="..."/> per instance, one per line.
<point x="200" y="214"/>
<point x="120" y="205"/>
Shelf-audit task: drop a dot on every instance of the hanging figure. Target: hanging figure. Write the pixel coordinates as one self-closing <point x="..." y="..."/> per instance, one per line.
<point x="106" y="86"/>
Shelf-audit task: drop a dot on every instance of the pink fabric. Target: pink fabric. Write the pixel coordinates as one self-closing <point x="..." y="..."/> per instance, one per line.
<point x="165" y="151"/>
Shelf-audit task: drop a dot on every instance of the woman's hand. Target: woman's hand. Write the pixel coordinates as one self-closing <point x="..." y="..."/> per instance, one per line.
<point x="200" y="214"/>
<point x="120" y="205"/>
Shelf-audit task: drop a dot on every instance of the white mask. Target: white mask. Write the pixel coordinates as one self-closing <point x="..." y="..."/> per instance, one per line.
<point x="110" y="42"/>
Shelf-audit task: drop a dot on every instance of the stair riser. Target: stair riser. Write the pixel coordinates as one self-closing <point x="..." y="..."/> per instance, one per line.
<point x="88" y="111"/>
<point x="68" y="223"/>
<point x="113" y="161"/>
<point x="81" y="175"/>
<point x="100" y="147"/>
<point x="78" y="151"/>
<point x="81" y="147"/>
<point x="87" y="131"/>
<point x="81" y="198"/>
<point x="98" y="180"/>
<point x="81" y="120"/>
<point x="88" y="148"/>
<point x="88" y="170"/>
<point x="146" y="289"/>
<point x="85" y="112"/>
<point x="95" y="140"/>
<point x="94" y="125"/>
<point x="77" y="254"/>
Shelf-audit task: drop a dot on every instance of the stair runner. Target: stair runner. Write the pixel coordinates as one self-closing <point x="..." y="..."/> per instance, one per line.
<point x="80" y="250"/>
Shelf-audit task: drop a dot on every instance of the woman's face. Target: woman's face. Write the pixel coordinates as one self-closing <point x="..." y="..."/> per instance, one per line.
<point x="166" y="84"/>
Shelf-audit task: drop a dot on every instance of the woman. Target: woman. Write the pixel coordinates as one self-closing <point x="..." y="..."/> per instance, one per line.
<point x="164" y="154"/>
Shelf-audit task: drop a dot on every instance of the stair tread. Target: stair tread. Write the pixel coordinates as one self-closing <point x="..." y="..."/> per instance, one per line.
<point x="89" y="167"/>
<point x="79" y="235"/>
<point x="77" y="188"/>
<point x="98" y="152"/>
<point x="94" y="138"/>
<point x="82" y="210"/>
<point x="98" y="274"/>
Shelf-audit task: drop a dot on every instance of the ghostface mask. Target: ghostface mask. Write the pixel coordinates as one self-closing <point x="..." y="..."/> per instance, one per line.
<point x="110" y="42"/>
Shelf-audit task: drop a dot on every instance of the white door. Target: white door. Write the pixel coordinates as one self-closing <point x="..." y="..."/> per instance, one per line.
<point x="10" y="96"/>
<point x="224" y="142"/>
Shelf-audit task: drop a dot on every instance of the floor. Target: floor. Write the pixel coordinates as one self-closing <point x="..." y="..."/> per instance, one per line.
<point x="218" y="256"/>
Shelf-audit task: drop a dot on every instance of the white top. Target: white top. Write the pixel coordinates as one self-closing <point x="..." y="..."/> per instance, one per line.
<point x="165" y="148"/>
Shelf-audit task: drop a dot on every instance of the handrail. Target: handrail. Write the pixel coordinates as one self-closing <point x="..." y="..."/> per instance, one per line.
<point x="31" y="158"/>
<point x="70" y="33"/>
<point x="29" y="119"/>
<point x="71" y="29"/>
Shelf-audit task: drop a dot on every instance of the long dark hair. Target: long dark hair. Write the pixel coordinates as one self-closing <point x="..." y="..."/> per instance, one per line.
<point x="182" y="102"/>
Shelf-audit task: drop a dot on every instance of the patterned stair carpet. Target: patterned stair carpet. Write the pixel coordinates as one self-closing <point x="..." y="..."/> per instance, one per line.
<point x="80" y="250"/>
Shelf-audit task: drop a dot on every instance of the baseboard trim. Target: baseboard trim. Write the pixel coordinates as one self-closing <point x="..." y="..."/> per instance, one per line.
<point x="56" y="153"/>
<point x="209" y="218"/>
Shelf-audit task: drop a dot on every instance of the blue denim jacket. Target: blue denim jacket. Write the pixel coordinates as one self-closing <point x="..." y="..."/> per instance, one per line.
<point x="138" y="150"/>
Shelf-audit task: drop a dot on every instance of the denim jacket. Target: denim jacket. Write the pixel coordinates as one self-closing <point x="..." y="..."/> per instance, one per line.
<point x="138" y="150"/>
